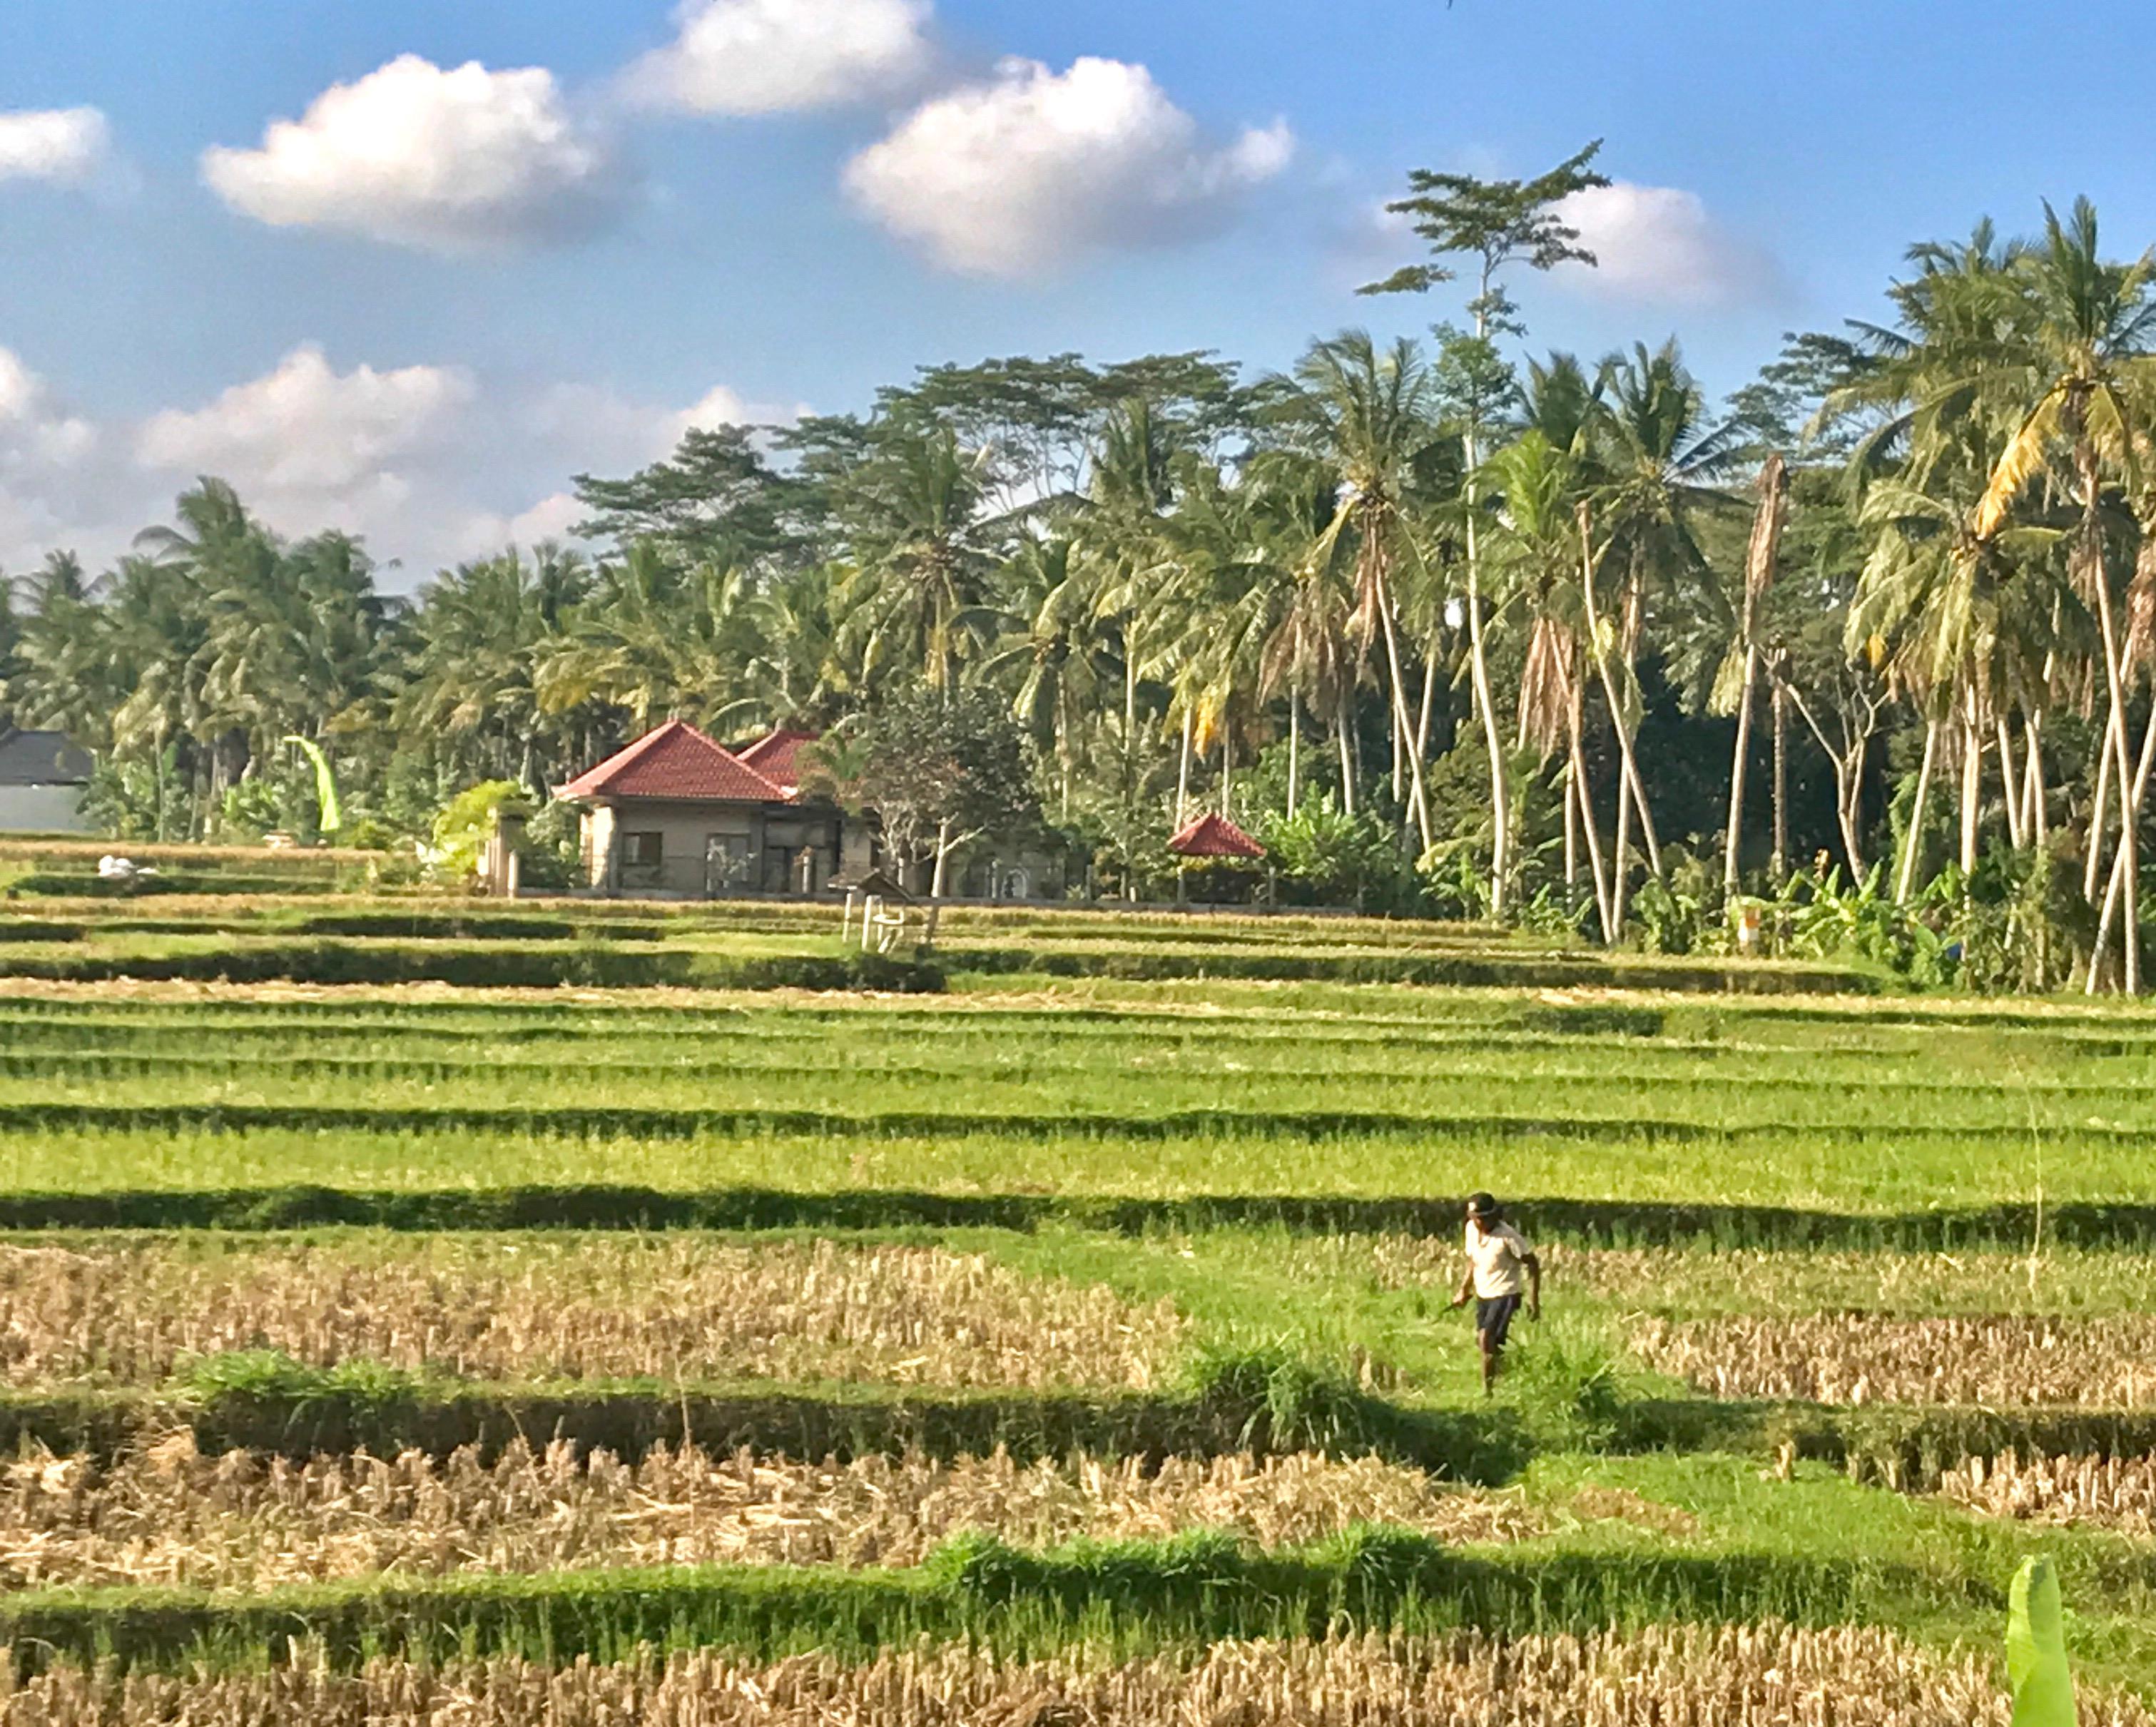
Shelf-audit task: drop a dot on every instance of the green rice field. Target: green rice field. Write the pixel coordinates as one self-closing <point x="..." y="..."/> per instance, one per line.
<point x="1075" y="1304"/>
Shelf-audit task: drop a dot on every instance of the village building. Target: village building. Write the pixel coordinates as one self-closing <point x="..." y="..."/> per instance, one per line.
<point x="677" y="814"/>
<point x="43" y="778"/>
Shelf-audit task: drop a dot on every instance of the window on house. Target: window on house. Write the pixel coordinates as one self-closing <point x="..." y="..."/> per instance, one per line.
<point x="640" y="851"/>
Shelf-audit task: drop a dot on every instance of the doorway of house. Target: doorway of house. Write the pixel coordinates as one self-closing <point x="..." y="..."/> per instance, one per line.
<point x="726" y="863"/>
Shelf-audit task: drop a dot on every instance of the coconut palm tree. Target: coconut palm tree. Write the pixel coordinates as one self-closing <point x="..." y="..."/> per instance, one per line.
<point x="2083" y="376"/>
<point x="1371" y="414"/>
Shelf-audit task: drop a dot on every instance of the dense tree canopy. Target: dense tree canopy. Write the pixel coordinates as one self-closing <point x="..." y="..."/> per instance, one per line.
<point x="1490" y="633"/>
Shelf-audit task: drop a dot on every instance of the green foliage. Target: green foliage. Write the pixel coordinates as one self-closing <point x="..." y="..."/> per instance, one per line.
<point x="939" y="769"/>
<point x="330" y="812"/>
<point x="272" y="1376"/>
<point x="2036" y="1650"/>
<point x="1569" y="1388"/>
<point x="1333" y="859"/>
<point x="1283" y="1402"/>
<point x="463" y="823"/>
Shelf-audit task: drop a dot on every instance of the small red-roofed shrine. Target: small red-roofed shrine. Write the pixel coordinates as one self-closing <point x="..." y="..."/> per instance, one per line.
<point x="1213" y="837"/>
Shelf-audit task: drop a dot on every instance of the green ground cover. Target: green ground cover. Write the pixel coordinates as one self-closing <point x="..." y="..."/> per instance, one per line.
<point x="419" y="1214"/>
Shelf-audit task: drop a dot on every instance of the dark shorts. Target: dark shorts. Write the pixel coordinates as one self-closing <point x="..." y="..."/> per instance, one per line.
<point x="1493" y="1318"/>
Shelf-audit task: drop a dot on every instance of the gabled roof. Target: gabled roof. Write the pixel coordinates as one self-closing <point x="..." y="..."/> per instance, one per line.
<point x="677" y="761"/>
<point x="1214" y="835"/>
<point x="42" y="758"/>
<point x="777" y="757"/>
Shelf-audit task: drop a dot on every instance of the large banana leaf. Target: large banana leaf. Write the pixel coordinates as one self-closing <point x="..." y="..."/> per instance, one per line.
<point x="325" y="790"/>
<point x="2037" y="1650"/>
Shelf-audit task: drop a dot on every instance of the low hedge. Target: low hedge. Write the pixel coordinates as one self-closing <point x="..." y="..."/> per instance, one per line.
<point x="1194" y="1590"/>
<point x="88" y="884"/>
<point x="305" y="1413"/>
<point x="594" y="1206"/>
<point x="501" y="966"/>
<point x="1494" y="968"/>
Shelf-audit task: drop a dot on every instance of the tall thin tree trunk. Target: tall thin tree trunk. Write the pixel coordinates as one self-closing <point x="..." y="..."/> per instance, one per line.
<point x="1629" y="636"/>
<point x="1343" y="730"/>
<point x="1294" y="749"/>
<point x="1493" y="736"/>
<point x="2128" y="866"/>
<point x="2035" y="817"/>
<point x="1761" y="554"/>
<point x="2010" y="789"/>
<point x="1972" y="780"/>
<point x="1401" y="729"/>
<point x="2116" y="888"/>
<point x="2099" y="813"/>
<point x="1628" y="776"/>
<point x="1912" y="840"/>
<point x="1777" y="865"/>
<point x="1182" y="772"/>
<point x="1619" y="870"/>
<point x="1732" y="845"/>
<point x="1571" y="833"/>
<point x="1227" y="772"/>
<point x="1399" y="754"/>
<point x="1428" y="694"/>
<point x="1582" y="794"/>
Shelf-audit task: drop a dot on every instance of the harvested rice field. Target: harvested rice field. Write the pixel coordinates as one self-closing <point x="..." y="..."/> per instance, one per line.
<point x="167" y="1514"/>
<point x="1767" y="1676"/>
<point x="1073" y="1343"/>
<point x="617" y="1308"/>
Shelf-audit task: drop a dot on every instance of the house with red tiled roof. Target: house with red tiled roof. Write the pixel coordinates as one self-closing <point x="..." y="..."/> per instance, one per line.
<point x="677" y="813"/>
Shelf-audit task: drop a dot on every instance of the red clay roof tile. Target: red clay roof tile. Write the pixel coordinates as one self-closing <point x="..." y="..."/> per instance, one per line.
<point x="676" y="760"/>
<point x="777" y="757"/>
<point x="1214" y="835"/>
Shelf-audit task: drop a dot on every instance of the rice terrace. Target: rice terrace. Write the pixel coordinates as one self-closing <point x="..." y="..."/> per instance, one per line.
<point x="905" y="863"/>
<point x="1066" y="1331"/>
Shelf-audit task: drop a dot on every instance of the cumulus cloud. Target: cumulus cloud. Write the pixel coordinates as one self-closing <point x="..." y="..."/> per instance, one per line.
<point x="1659" y="244"/>
<point x="304" y="440"/>
<point x="452" y="160"/>
<point x="1036" y="170"/>
<point x="64" y="144"/>
<point x="430" y="464"/>
<point x="773" y="56"/>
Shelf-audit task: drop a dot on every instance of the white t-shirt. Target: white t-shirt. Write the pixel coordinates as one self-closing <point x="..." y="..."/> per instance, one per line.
<point x="1495" y="1253"/>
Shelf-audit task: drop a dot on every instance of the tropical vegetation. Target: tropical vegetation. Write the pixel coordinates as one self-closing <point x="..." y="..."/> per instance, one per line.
<point x="1460" y="628"/>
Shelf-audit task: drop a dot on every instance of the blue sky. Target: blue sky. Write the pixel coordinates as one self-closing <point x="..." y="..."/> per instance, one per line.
<point x="424" y="309"/>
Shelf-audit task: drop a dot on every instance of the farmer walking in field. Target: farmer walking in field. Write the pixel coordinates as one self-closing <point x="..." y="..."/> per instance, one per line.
<point x="1501" y="1268"/>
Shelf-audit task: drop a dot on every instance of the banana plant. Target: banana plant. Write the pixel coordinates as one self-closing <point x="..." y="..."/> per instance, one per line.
<point x="325" y="789"/>
<point x="2036" y="1650"/>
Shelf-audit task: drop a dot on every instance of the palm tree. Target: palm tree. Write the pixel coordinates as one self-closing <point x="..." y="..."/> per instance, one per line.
<point x="2087" y="363"/>
<point x="916" y="590"/>
<point x="485" y="635"/>
<point x="1537" y="489"/>
<point x="1661" y="461"/>
<point x="1370" y="414"/>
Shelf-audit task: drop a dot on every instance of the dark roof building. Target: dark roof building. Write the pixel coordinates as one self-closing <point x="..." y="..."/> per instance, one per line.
<point x="41" y="780"/>
<point x="42" y="758"/>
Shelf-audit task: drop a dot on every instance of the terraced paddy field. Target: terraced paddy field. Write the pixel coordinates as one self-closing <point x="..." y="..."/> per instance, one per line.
<point x="1052" y="1345"/>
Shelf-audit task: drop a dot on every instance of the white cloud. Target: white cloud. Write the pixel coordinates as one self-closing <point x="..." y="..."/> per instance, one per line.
<point x="430" y="464"/>
<point x="304" y="441"/>
<point x="1658" y="244"/>
<point x="773" y="56"/>
<point x="65" y="145"/>
<point x="1036" y="170"/>
<point x="449" y="160"/>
